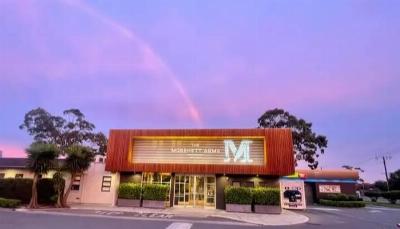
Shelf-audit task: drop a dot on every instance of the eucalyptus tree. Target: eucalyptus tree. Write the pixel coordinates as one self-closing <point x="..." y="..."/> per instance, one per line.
<point x="64" y="131"/>
<point x="41" y="158"/>
<point x="307" y="144"/>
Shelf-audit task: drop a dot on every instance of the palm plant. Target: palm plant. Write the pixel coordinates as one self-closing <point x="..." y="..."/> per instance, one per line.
<point x="78" y="160"/>
<point x="59" y="185"/>
<point x="41" y="158"/>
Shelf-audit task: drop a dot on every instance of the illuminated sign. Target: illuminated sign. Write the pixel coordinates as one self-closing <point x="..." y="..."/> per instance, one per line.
<point x="329" y="188"/>
<point x="242" y="152"/>
<point x="199" y="151"/>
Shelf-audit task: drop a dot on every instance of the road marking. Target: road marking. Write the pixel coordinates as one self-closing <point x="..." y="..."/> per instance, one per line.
<point x="374" y="211"/>
<point x="179" y="226"/>
<point x="383" y="208"/>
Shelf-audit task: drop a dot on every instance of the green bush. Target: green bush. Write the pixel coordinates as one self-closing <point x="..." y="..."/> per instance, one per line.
<point x="21" y="189"/>
<point x="345" y="204"/>
<point x="341" y="197"/>
<point x="391" y="196"/>
<point x="9" y="203"/>
<point x="266" y="196"/>
<point x="374" y="195"/>
<point x="129" y="191"/>
<point x="155" y="192"/>
<point x="238" y="195"/>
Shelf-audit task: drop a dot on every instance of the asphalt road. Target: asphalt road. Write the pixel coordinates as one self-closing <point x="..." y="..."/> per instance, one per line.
<point x="319" y="218"/>
<point x="352" y="218"/>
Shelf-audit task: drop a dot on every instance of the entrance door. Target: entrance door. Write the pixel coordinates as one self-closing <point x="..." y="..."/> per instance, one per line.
<point x="194" y="191"/>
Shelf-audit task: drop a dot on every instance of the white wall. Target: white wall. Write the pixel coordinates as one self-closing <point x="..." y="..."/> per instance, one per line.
<point x="90" y="185"/>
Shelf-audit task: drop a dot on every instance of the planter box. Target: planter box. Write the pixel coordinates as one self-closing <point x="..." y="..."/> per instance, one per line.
<point x="128" y="203"/>
<point x="268" y="209"/>
<point x="153" y="204"/>
<point x="238" y="208"/>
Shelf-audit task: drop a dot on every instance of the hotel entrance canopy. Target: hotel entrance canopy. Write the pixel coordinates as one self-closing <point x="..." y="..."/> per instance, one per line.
<point x="201" y="151"/>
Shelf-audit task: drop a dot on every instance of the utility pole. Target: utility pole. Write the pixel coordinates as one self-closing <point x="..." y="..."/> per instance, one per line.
<point x="384" y="165"/>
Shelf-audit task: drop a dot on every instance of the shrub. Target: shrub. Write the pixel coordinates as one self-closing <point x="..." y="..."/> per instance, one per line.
<point x="266" y="196"/>
<point x="155" y="192"/>
<point x="391" y="196"/>
<point x="374" y="195"/>
<point x="341" y="197"/>
<point x="21" y="189"/>
<point x="345" y="204"/>
<point x="9" y="203"/>
<point x="238" y="195"/>
<point x="45" y="188"/>
<point x="129" y="191"/>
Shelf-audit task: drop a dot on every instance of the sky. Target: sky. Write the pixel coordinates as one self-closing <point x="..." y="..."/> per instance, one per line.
<point x="209" y="64"/>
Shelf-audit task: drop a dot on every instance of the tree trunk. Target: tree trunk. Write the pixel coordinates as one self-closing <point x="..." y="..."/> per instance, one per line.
<point x="65" y="197"/>
<point x="60" y="203"/>
<point x="34" y="202"/>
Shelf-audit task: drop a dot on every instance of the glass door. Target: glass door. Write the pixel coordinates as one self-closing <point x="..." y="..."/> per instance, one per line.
<point x="210" y="191"/>
<point x="194" y="191"/>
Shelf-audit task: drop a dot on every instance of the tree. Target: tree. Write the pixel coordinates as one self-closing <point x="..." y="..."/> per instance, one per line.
<point x="381" y="185"/>
<point x="65" y="131"/>
<point x="307" y="144"/>
<point x="78" y="160"/>
<point x="41" y="158"/>
<point x="394" y="180"/>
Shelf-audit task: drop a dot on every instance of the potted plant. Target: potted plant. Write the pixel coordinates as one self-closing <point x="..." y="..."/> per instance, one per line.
<point x="267" y="200"/>
<point x="155" y="195"/>
<point x="238" y="199"/>
<point x="129" y="195"/>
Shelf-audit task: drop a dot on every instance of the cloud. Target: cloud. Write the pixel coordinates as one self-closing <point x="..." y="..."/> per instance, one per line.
<point x="12" y="150"/>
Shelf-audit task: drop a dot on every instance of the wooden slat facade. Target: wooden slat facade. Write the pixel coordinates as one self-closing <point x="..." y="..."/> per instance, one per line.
<point x="278" y="143"/>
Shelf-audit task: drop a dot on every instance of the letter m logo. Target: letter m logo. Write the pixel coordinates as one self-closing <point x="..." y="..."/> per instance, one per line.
<point x="242" y="152"/>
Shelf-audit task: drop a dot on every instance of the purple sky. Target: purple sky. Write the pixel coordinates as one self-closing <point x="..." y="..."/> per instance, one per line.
<point x="208" y="64"/>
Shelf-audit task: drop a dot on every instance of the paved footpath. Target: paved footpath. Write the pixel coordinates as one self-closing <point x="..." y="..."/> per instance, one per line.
<point x="182" y="214"/>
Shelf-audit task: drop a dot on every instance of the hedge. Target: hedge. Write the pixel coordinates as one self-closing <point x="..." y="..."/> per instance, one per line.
<point x="345" y="204"/>
<point x="341" y="197"/>
<point x="155" y="192"/>
<point x="9" y="203"/>
<point x="391" y="196"/>
<point x="21" y="189"/>
<point x="238" y="195"/>
<point x="266" y="196"/>
<point x="373" y="195"/>
<point x="129" y="191"/>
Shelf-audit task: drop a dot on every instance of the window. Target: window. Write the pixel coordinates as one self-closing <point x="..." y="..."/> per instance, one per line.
<point x="236" y="183"/>
<point x="101" y="160"/>
<point x="156" y="178"/>
<point x="248" y="184"/>
<point x="19" y="175"/>
<point x="106" y="184"/>
<point x="2" y="175"/>
<point x="76" y="183"/>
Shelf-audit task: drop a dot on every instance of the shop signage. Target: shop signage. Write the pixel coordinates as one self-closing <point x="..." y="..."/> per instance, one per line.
<point x="199" y="151"/>
<point x="292" y="194"/>
<point x="329" y="188"/>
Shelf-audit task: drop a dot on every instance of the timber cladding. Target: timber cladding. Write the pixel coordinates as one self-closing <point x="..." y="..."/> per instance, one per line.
<point x="182" y="151"/>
